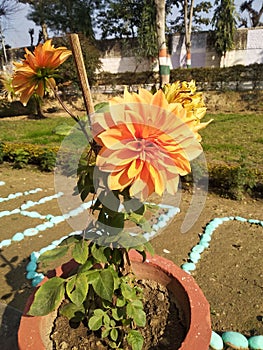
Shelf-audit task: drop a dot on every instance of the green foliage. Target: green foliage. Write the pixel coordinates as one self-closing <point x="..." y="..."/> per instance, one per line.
<point x="59" y="18"/>
<point x="21" y="154"/>
<point x="206" y="78"/>
<point x="47" y="160"/>
<point x="68" y="72"/>
<point x="19" y="157"/>
<point x="224" y="23"/>
<point x="102" y="291"/>
<point x="1" y="152"/>
<point x="232" y="181"/>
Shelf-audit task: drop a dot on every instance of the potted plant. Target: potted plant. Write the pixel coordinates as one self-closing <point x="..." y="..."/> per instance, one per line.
<point x="137" y="145"/>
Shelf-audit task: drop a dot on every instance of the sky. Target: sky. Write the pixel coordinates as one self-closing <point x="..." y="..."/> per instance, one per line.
<point x="15" y="28"/>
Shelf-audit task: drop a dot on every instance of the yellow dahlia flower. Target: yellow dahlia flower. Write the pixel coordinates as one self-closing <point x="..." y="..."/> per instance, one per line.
<point x="37" y="70"/>
<point x="192" y="101"/>
<point x="145" y="143"/>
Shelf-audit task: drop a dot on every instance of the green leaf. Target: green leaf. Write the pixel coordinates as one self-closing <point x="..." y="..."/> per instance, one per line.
<point x="48" y="297"/>
<point x="95" y="322"/>
<point x="135" y="311"/>
<point x="73" y="312"/>
<point x="127" y="291"/>
<point x="106" y="319"/>
<point x="104" y="284"/>
<point x="86" y="266"/>
<point x="135" y="339"/>
<point x="117" y="313"/>
<point x="105" y="332"/>
<point x="114" y="334"/>
<point x="101" y="107"/>
<point x="98" y="253"/>
<point x="53" y="254"/>
<point x="77" y="288"/>
<point x="81" y="251"/>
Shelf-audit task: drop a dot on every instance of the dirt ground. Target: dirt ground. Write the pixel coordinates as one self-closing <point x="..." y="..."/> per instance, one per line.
<point x="230" y="271"/>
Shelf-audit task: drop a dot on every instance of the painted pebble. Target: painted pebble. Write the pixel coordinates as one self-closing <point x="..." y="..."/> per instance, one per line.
<point x="216" y="342"/>
<point x="256" y="342"/>
<point x="235" y="340"/>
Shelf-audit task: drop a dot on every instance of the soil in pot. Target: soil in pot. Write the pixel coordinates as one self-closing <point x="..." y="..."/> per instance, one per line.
<point x="164" y="328"/>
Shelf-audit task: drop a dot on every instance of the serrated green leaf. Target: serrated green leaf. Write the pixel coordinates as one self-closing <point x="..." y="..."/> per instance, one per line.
<point x="98" y="253"/>
<point x="86" y="266"/>
<point x="114" y="334"/>
<point x="128" y="292"/>
<point x="92" y="275"/>
<point x="80" y="252"/>
<point x="135" y="339"/>
<point x="73" y="312"/>
<point x="135" y="311"/>
<point x="77" y="289"/>
<point x="53" y="254"/>
<point x="121" y="301"/>
<point x="48" y="297"/>
<point x="104" y="284"/>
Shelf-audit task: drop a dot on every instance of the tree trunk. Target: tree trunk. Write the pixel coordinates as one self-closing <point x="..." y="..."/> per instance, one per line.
<point x="188" y="19"/>
<point x="164" y="58"/>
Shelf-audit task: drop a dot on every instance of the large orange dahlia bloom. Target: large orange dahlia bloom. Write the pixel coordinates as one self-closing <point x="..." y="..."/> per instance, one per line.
<point x="145" y="144"/>
<point x="37" y="70"/>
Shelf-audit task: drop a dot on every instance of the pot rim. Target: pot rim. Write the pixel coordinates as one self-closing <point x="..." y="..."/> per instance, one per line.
<point x="195" y="307"/>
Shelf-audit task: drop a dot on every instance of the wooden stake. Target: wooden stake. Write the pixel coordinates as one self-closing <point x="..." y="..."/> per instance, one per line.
<point x="77" y="54"/>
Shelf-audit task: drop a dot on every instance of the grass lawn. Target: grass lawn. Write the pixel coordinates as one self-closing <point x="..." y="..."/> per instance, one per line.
<point x="36" y="131"/>
<point x="230" y="138"/>
<point x="234" y="138"/>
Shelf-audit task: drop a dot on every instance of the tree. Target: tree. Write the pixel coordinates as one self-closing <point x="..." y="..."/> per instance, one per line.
<point x="63" y="16"/>
<point x="7" y="9"/>
<point x="189" y="19"/>
<point x="164" y="61"/>
<point x="224" y="24"/>
<point x="253" y="14"/>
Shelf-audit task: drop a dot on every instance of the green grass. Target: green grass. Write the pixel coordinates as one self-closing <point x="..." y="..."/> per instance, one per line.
<point x="39" y="131"/>
<point x="230" y="138"/>
<point x="234" y="138"/>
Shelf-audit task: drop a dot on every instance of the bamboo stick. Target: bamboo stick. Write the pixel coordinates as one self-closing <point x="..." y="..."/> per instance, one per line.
<point x="78" y="57"/>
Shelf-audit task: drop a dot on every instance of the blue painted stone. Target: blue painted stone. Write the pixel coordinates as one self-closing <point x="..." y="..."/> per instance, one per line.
<point x="41" y="227"/>
<point x="256" y="342"/>
<point x="204" y="243"/>
<point x="2" y="183"/>
<point x="30" y="232"/>
<point x="15" y="211"/>
<point x="198" y="248"/>
<point x="31" y="274"/>
<point x="239" y="218"/>
<point x="57" y="219"/>
<point x="34" y="256"/>
<point x="48" y="224"/>
<point x="5" y="243"/>
<point x="253" y="221"/>
<point x="194" y="256"/>
<point x="205" y="238"/>
<point x="37" y="280"/>
<point x="162" y="224"/>
<point x="216" y="341"/>
<point x="18" y="237"/>
<point x="235" y="340"/>
<point x="189" y="266"/>
<point x="45" y="249"/>
<point x="31" y="266"/>
<point x="4" y="213"/>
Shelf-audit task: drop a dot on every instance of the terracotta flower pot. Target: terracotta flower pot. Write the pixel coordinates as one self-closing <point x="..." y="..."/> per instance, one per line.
<point x="34" y="332"/>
